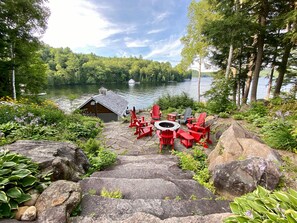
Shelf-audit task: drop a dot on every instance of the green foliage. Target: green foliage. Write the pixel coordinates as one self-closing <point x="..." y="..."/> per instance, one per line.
<point x="224" y="115"/>
<point x="264" y="206"/>
<point x="196" y="162"/>
<point x="218" y="96"/>
<point x="100" y="158"/>
<point x="117" y="194"/>
<point x="18" y="175"/>
<point x="175" y="101"/>
<point x="238" y="116"/>
<point x="258" y="108"/>
<point x="45" y="121"/>
<point x="279" y="135"/>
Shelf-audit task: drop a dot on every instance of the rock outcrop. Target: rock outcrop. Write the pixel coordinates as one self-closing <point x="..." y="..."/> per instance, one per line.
<point x="65" y="160"/>
<point x="240" y="162"/>
<point x="57" y="201"/>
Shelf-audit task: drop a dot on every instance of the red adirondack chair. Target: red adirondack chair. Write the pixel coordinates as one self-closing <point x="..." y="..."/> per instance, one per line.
<point x="200" y="121"/>
<point x="155" y="113"/>
<point x="133" y="118"/>
<point x="201" y="135"/>
<point x="166" y="138"/>
<point x="143" y="129"/>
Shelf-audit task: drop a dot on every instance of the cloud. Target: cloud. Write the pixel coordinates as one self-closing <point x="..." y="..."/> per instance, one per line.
<point x="153" y="31"/>
<point x="166" y="48"/>
<point x="75" y="23"/>
<point x="136" y="43"/>
<point x="159" y="18"/>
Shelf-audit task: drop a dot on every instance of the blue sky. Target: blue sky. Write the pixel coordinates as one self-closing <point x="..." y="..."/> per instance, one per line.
<point x="151" y="28"/>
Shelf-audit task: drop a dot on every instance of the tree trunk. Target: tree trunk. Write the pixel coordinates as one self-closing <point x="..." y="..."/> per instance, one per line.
<point x="282" y="69"/>
<point x="260" y="47"/>
<point x="249" y="76"/>
<point x="270" y="82"/>
<point x="229" y="61"/>
<point x="13" y="73"/>
<point x="199" y="78"/>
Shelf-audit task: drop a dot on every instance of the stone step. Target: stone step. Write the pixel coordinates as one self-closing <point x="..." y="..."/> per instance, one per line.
<point x="147" y="169"/>
<point x="148" y="158"/>
<point x="157" y="188"/>
<point x="120" y="209"/>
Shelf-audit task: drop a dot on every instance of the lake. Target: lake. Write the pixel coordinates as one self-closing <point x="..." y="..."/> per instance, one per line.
<point x="139" y="95"/>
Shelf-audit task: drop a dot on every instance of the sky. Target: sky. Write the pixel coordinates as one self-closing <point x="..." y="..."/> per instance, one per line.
<point x="150" y="28"/>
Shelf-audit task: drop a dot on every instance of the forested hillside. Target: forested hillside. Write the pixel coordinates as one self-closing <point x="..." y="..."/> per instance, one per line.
<point x="65" y="67"/>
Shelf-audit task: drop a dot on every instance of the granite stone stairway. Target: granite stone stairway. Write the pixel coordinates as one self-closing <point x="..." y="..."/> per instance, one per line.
<point x="153" y="184"/>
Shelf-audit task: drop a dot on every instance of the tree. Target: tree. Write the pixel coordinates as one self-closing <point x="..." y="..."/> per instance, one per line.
<point x="195" y="44"/>
<point x="20" y="22"/>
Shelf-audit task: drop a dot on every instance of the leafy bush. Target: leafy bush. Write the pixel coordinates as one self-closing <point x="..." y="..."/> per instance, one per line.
<point x="176" y="101"/>
<point x="258" y="108"/>
<point x="278" y="135"/>
<point x="264" y="206"/>
<point x="224" y="115"/>
<point x="99" y="157"/>
<point x="196" y="162"/>
<point x="219" y="96"/>
<point x="18" y="175"/>
<point x="117" y="194"/>
<point x="238" y="116"/>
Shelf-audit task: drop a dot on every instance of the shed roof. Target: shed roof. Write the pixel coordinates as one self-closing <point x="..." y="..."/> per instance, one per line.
<point x="110" y="100"/>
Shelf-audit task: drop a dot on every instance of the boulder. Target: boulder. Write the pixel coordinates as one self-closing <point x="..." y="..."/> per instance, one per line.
<point x="57" y="202"/>
<point x="241" y="177"/>
<point x="240" y="162"/>
<point x="29" y="214"/>
<point x="65" y="160"/>
<point x="21" y="210"/>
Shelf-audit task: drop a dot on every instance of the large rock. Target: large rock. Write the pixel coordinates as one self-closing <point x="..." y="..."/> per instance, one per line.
<point x="145" y="217"/>
<point x="56" y="203"/>
<point x="65" y="160"/>
<point x="240" y="162"/>
<point x="240" y="177"/>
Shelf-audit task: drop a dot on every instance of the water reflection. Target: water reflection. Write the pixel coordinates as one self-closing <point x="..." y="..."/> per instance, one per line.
<point x="138" y="95"/>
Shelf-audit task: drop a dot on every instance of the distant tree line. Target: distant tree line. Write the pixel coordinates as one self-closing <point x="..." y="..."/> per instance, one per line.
<point x="67" y="68"/>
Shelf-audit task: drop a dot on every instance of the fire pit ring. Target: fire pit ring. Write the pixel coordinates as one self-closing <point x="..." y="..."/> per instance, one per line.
<point x="167" y="125"/>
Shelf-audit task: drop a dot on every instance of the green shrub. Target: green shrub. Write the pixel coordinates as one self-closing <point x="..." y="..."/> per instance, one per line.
<point x="196" y="162"/>
<point x="224" y="115"/>
<point x="219" y="96"/>
<point x="264" y="206"/>
<point x="278" y="135"/>
<point x="18" y="175"/>
<point x="238" y="116"/>
<point x="258" y="108"/>
<point x="175" y="101"/>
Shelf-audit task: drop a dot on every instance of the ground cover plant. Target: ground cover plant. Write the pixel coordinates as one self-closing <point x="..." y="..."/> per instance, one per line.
<point x="196" y="162"/>
<point x="18" y="175"/>
<point x="265" y="206"/>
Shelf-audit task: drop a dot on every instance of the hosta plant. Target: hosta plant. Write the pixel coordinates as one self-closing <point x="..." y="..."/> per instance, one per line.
<point x="18" y="175"/>
<point x="265" y="206"/>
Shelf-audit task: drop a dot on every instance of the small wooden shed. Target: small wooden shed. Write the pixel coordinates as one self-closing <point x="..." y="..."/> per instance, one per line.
<point x="107" y="106"/>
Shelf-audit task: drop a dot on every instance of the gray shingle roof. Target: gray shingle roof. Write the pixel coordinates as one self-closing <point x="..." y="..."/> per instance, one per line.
<point x="110" y="100"/>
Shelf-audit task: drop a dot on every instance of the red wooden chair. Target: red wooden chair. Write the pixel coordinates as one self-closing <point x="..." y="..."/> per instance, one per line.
<point x="200" y="121"/>
<point x="133" y="118"/>
<point x="166" y="138"/>
<point x="143" y="129"/>
<point x="201" y="135"/>
<point x="155" y="113"/>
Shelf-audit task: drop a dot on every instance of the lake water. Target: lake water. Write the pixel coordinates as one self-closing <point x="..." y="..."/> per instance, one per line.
<point x="139" y="95"/>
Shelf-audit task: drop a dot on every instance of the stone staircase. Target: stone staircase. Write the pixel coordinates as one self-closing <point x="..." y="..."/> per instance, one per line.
<point x="152" y="184"/>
